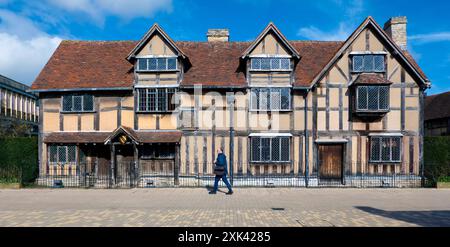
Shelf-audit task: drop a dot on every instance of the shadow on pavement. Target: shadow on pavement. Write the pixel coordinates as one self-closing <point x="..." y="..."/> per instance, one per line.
<point x="432" y="218"/>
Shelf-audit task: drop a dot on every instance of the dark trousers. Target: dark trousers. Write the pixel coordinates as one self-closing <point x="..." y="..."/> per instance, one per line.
<point x="224" y="179"/>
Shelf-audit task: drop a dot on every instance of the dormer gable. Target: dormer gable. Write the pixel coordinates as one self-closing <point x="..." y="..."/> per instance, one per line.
<point x="270" y="42"/>
<point x="369" y="47"/>
<point x="156" y="43"/>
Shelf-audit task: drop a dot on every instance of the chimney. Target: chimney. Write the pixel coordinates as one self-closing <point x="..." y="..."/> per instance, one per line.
<point x="221" y="35"/>
<point x="396" y="28"/>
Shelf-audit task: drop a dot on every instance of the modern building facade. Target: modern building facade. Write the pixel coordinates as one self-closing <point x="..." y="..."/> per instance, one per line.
<point x="307" y="111"/>
<point x="437" y="115"/>
<point x="17" y="106"/>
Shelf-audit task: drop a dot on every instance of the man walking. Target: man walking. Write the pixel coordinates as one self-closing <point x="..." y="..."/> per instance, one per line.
<point x="221" y="171"/>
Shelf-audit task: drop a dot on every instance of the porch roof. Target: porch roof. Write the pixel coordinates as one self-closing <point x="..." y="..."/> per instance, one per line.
<point x="76" y="137"/>
<point x="100" y="137"/>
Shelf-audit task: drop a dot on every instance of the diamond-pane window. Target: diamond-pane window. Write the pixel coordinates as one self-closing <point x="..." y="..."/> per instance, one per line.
<point x="77" y="103"/>
<point x="265" y="149"/>
<point x="270" y="63"/>
<point x="383" y="98"/>
<point x="385" y="149"/>
<point x="62" y="154"/>
<point x="255" y="149"/>
<point x="171" y="63"/>
<point x="372" y="98"/>
<point x="270" y="149"/>
<point x="275" y="63"/>
<point x="88" y="103"/>
<point x="256" y="63"/>
<point x="378" y="61"/>
<point x="375" y="148"/>
<point x="156" y="99"/>
<point x="142" y="64"/>
<point x="271" y="99"/>
<point x="71" y="153"/>
<point x="358" y="63"/>
<point x="157" y="64"/>
<point x="285" y="99"/>
<point x="263" y="99"/>
<point x="275" y="99"/>
<point x="395" y="143"/>
<point x="265" y="64"/>
<point x="67" y="103"/>
<point x="276" y="149"/>
<point x="362" y="98"/>
<point x="152" y="64"/>
<point x="161" y="64"/>
<point x="285" y="149"/>
<point x="53" y="153"/>
<point x="368" y="63"/>
<point x="285" y="63"/>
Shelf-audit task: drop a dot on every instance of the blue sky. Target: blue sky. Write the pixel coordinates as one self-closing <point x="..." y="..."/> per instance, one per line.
<point x="31" y="30"/>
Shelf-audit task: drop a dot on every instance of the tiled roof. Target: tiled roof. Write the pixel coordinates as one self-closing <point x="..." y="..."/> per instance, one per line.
<point x="76" y="137"/>
<point x="437" y="106"/>
<point x="100" y="137"/>
<point x="103" y="64"/>
<point x="371" y="78"/>
<point x="87" y="64"/>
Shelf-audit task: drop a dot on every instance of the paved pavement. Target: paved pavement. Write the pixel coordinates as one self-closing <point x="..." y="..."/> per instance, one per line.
<point x="247" y="207"/>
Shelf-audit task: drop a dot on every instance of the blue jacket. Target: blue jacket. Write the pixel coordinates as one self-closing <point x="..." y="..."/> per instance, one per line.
<point x="222" y="161"/>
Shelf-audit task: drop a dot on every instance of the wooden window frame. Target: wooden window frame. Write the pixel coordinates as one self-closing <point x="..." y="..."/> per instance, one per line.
<point x="167" y="106"/>
<point x="391" y="160"/>
<point x="82" y="104"/>
<point x="259" y="161"/>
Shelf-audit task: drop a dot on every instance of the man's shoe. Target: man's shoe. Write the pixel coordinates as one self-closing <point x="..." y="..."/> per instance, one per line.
<point x="229" y="193"/>
<point x="212" y="192"/>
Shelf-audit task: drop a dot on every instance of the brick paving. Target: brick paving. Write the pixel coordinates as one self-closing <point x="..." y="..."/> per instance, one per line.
<point x="247" y="207"/>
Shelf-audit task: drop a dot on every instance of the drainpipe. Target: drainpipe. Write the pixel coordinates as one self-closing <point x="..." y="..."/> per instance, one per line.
<point x="306" y="141"/>
<point x="231" y="111"/>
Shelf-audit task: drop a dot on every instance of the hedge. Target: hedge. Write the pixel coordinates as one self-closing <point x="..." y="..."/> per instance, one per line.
<point x="19" y="159"/>
<point x="437" y="158"/>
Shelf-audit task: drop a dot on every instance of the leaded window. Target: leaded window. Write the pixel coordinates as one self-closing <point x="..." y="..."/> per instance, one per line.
<point x="270" y="149"/>
<point x="157" y="64"/>
<point x="369" y="63"/>
<point x="270" y="99"/>
<point x="385" y="149"/>
<point x="62" y="154"/>
<point x="156" y="99"/>
<point x="78" y="103"/>
<point x="270" y="63"/>
<point x="372" y="98"/>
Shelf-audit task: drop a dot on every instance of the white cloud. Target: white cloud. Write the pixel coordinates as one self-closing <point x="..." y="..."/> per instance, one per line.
<point x="315" y="33"/>
<point x="24" y="48"/>
<point x="350" y="10"/>
<point x="125" y="9"/>
<point x="430" y="37"/>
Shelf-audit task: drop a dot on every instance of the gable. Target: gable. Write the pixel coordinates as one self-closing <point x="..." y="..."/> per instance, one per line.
<point x="370" y="37"/>
<point x="156" y="46"/>
<point x="145" y="44"/>
<point x="275" y="39"/>
<point x="270" y="45"/>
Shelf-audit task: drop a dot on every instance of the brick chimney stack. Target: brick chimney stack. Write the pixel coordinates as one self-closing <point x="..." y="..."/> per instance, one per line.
<point x="221" y="35"/>
<point x="396" y="28"/>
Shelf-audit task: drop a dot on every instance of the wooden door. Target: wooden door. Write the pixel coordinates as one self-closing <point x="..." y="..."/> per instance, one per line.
<point x="330" y="161"/>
